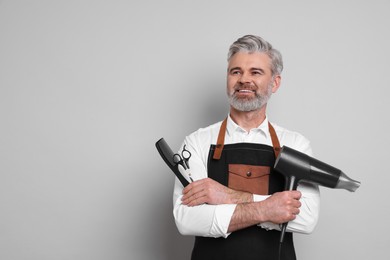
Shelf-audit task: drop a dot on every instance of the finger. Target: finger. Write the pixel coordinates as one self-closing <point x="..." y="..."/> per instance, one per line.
<point x="193" y="185"/>
<point x="192" y="194"/>
<point x="196" y="200"/>
<point x="188" y="198"/>
<point x="296" y="194"/>
<point x="194" y="190"/>
<point x="188" y="188"/>
<point x="294" y="210"/>
<point x="293" y="213"/>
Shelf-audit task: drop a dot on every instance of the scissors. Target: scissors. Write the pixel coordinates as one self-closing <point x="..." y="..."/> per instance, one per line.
<point x="183" y="159"/>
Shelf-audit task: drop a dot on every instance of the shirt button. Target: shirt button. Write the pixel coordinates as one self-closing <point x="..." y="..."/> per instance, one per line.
<point x="248" y="174"/>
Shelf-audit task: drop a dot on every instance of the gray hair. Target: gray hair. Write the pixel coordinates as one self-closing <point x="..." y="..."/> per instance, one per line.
<point x="251" y="44"/>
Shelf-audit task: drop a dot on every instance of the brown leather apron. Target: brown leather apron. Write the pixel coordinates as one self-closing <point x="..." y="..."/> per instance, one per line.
<point x="246" y="167"/>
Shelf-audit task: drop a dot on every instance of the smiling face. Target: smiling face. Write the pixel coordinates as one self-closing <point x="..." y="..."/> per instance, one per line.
<point x="250" y="82"/>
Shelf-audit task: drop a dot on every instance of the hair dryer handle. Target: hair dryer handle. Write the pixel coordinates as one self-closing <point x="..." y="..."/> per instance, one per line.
<point x="291" y="184"/>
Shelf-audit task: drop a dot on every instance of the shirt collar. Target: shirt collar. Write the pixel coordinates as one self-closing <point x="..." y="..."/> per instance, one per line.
<point x="232" y="127"/>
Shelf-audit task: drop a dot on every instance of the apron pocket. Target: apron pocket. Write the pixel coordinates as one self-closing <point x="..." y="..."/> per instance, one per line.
<point x="249" y="178"/>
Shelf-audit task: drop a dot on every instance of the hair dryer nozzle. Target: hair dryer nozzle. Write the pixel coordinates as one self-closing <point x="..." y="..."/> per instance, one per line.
<point x="347" y="183"/>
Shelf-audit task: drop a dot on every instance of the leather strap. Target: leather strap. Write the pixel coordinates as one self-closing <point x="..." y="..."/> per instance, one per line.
<point x="221" y="140"/>
<point x="275" y="140"/>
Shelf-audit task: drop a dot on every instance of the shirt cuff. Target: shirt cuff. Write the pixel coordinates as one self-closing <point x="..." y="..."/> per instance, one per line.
<point x="269" y="226"/>
<point x="257" y="198"/>
<point x="222" y="216"/>
<point x="265" y="225"/>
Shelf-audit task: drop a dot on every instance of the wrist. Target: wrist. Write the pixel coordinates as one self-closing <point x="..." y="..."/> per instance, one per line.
<point x="261" y="212"/>
<point x="237" y="197"/>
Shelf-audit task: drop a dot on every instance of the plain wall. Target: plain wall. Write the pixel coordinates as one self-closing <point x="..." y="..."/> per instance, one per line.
<point x="88" y="87"/>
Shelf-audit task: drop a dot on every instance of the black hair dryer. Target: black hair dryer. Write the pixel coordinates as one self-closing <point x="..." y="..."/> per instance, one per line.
<point x="297" y="166"/>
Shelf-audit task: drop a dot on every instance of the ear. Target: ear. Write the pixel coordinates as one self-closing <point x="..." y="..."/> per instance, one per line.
<point x="276" y="83"/>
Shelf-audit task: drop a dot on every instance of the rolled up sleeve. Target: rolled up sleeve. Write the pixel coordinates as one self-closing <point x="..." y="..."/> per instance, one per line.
<point x="203" y="220"/>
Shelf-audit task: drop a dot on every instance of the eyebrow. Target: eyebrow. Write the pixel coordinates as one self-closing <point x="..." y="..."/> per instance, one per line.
<point x="251" y="69"/>
<point x="235" y="68"/>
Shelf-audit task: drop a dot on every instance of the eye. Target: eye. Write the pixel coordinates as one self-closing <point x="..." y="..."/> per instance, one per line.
<point x="257" y="72"/>
<point x="235" y="72"/>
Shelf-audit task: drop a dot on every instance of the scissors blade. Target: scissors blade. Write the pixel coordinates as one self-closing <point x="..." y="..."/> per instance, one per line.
<point x="187" y="166"/>
<point x="186" y="173"/>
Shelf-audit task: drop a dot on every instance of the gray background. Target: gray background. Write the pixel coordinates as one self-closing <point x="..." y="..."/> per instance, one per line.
<point x="87" y="87"/>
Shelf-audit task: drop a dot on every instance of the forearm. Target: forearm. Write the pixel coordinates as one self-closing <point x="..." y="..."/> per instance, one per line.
<point x="279" y="208"/>
<point x="245" y="215"/>
<point x="208" y="191"/>
<point x="239" y="197"/>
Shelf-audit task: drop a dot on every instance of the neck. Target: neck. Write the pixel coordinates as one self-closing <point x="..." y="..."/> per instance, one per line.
<point x="248" y="120"/>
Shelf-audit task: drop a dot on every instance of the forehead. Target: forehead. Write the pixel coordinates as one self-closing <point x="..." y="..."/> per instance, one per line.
<point x="246" y="60"/>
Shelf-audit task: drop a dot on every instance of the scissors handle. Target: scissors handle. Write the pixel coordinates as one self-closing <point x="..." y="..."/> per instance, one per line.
<point x="177" y="159"/>
<point x="186" y="155"/>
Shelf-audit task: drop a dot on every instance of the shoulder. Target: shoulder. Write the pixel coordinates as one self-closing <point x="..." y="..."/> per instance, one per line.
<point x="293" y="139"/>
<point x="199" y="141"/>
<point x="205" y="135"/>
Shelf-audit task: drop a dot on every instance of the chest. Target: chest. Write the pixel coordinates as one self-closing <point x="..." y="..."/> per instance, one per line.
<point x="246" y="167"/>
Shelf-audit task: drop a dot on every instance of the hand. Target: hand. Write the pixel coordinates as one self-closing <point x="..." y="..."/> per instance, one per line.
<point x="212" y="192"/>
<point x="281" y="207"/>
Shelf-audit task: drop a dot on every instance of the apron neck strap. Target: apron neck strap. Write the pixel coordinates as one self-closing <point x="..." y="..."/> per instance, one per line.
<point x="221" y="140"/>
<point x="275" y="140"/>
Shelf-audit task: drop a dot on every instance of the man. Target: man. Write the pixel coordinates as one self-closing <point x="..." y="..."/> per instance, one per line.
<point x="236" y="203"/>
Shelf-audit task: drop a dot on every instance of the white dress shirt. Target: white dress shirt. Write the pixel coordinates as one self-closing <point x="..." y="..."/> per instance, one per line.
<point x="213" y="220"/>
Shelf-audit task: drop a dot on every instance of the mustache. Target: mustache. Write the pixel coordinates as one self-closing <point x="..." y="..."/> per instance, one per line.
<point x="244" y="86"/>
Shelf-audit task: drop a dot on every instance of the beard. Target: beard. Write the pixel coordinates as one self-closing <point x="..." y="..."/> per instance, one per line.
<point x="249" y="104"/>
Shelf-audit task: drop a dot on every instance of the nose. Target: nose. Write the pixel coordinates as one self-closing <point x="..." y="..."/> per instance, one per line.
<point x="245" y="78"/>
